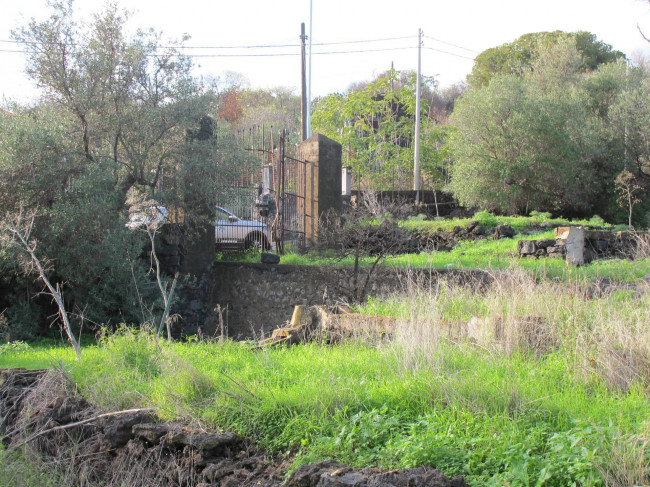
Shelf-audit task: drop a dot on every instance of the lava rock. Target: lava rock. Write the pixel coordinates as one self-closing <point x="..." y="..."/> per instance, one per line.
<point x="268" y="258"/>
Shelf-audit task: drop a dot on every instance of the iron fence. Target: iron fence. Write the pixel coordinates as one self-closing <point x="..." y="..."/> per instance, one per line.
<point x="272" y="190"/>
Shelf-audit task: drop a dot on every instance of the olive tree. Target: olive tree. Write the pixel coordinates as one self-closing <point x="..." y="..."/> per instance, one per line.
<point x="120" y="115"/>
<point x="542" y="140"/>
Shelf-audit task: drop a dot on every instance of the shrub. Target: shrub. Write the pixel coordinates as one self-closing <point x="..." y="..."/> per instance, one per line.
<point x="22" y="321"/>
<point x="486" y="219"/>
<point x="540" y="216"/>
<point x="596" y="221"/>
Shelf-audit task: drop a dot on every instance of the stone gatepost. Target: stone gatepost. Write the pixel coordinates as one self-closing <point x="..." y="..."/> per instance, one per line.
<point x="323" y="182"/>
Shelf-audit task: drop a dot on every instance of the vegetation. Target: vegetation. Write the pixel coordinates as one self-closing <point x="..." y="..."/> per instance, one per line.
<point x="519" y="56"/>
<point x="374" y="123"/>
<point x="26" y="470"/>
<point x="488" y="253"/>
<point x="528" y="382"/>
<point x="565" y="404"/>
<point x="121" y="121"/>
<point x="551" y="138"/>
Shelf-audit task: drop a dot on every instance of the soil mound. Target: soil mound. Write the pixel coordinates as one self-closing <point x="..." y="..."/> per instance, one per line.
<point x="43" y="411"/>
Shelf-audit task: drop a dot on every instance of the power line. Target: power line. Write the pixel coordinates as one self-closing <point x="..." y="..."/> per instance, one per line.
<point x="452" y="45"/>
<point x="450" y="53"/>
<point x="259" y="46"/>
<point x="241" y="55"/>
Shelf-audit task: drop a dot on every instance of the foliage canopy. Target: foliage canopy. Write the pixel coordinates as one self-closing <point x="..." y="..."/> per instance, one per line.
<point x="552" y="138"/>
<point x="121" y="119"/>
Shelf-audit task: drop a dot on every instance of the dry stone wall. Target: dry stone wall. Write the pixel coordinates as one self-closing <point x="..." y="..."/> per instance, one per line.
<point x="254" y="299"/>
<point x="579" y="246"/>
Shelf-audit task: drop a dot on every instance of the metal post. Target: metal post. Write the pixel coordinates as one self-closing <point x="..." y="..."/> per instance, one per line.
<point x="309" y="85"/>
<point x="416" y="163"/>
<point x="303" y="100"/>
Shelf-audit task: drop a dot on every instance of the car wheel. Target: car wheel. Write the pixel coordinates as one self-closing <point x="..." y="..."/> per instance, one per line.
<point x="256" y="241"/>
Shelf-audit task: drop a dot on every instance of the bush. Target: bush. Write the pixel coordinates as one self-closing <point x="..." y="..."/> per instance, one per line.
<point x="486" y="219"/>
<point x="596" y="221"/>
<point x="22" y="321"/>
<point x="540" y="216"/>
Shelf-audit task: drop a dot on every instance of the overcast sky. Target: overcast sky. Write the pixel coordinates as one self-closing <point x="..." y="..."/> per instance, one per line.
<point x="455" y="32"/>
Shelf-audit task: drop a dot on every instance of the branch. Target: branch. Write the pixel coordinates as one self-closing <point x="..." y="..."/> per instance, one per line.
<point x="56" y="294"/>
<point x="78" y="423"/>
<point x="641" y="32"/>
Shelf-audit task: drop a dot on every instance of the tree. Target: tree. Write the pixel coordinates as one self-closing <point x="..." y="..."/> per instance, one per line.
<point x="16" y="233"/>
<point x="627" y="190"/>
<point x="374" y="122"/>
<point x="272" y="107"/>
<point x="517" y="57"/>
<point x="132" y="99"/>
<point x="353" y="233"/>
<point x="544" y="140"/>
<point x="120" y="117"/>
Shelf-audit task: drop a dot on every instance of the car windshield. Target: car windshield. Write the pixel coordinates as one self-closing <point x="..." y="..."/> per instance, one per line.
<point x="223" y="215"/>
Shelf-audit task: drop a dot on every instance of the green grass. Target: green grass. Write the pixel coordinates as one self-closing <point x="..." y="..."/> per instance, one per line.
<point x="498" y="418"/>
<point x="488" y="254"/>
<point x="491" y="255"/>
<point x="42" y="354"/>
<point x="497" y="413"/>
<point x="20" y="470"/>
<point x="518" y="223"/>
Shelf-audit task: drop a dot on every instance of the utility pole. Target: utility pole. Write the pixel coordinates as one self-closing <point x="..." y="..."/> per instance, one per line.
<point x="416" y="162"/>
<point x="303" y="99"/>
<point x="311" y="16"/>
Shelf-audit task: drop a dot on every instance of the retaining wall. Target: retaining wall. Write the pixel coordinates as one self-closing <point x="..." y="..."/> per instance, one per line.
<point x="254" y="299"/>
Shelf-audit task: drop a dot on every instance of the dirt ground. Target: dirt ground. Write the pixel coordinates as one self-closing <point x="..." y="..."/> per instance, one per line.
<point x="42" y="413"/>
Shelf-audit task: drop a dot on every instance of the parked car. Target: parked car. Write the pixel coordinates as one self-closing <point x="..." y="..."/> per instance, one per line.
<point x="233" y="233"/>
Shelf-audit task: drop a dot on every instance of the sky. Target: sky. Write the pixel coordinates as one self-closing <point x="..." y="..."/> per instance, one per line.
<point x="352" y="40"/>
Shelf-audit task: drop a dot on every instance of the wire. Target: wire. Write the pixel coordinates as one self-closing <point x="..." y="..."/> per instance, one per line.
<point x="294" y="54"/>
<point x="261" y="46"/>
<point x="289" y="54"/>
<point x="450" y="53"/>
<point x="450" y="44"/>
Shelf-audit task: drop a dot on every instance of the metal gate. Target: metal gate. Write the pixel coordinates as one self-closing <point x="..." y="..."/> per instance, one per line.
<point x="273" y="190"/>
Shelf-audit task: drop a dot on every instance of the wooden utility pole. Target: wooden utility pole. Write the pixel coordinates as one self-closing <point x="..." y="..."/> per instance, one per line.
<point x="303" y="99"/>
<point x="418" y="89"/>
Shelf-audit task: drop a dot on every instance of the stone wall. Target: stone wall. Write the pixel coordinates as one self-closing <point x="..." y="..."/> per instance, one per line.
<point x="593" y="244"/>
<point x="257" y="298"/>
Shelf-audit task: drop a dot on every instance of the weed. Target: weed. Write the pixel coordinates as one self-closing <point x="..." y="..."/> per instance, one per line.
<point x="26" y="469"/>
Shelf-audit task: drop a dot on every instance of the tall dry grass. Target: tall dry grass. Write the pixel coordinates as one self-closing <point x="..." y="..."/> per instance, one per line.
<point x="603" y="340"/>
<point x="607" y="337"/>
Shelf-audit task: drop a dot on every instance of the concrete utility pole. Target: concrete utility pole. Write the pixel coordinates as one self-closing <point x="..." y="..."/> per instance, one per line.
<point x="303" y="99"/>
<point x="311" y="16"/>
<point x="418" y="89"/>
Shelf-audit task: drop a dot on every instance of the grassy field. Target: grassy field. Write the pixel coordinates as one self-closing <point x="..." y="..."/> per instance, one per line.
<point x="488" y="254"/>
<point x="562" y="403"/>
<point x="554" y="389"/>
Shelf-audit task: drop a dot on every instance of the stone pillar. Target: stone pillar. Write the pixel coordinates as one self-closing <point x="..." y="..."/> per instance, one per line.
<point x="574" y="241"/>
<point x="346" y="182"/>
<point x="323" y="181"/>
<point x="267" y="179"/>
